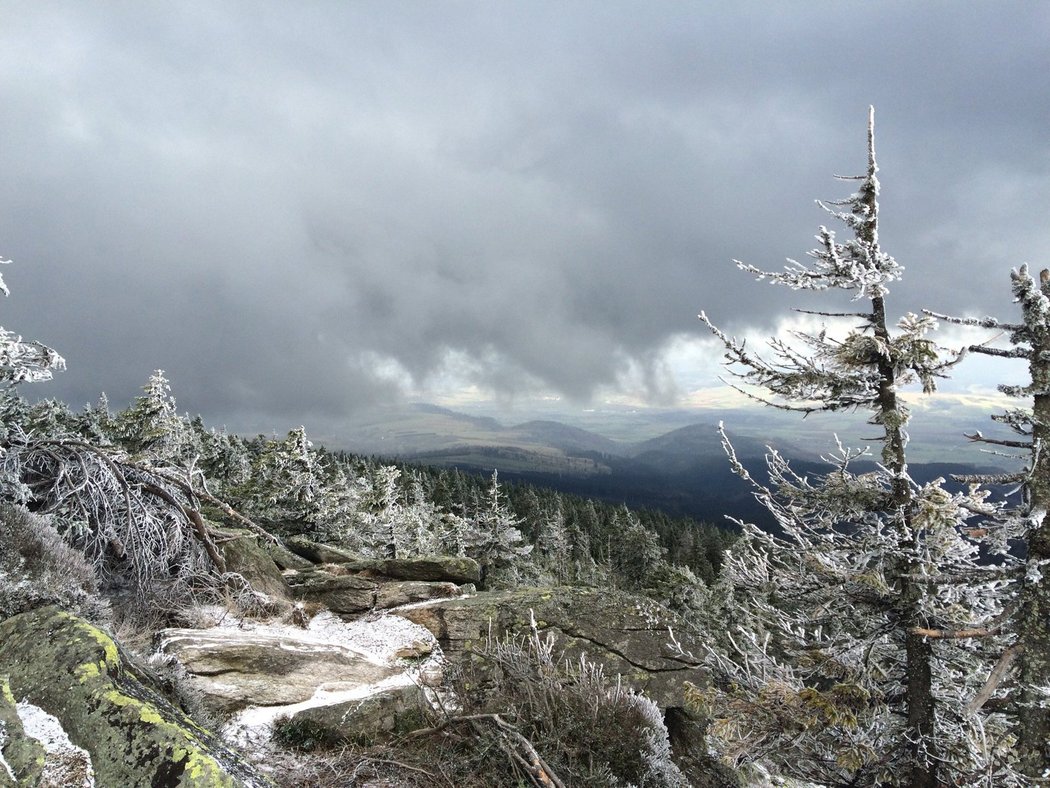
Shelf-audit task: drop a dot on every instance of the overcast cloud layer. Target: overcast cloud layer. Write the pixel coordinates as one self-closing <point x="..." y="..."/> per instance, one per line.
<point x="297" y="208"/>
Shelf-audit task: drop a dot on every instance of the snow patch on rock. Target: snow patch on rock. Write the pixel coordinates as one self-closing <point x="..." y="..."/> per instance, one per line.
<point x="65" y="763"/>
<point x="383" y="640"/>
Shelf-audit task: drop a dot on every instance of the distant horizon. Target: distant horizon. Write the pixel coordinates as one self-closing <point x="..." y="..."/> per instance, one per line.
<point x="937" y="433"/>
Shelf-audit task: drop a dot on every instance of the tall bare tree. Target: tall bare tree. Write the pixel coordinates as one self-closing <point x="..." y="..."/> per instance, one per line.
<point x="1030" y="654"/>
<point x="858" y="642"/>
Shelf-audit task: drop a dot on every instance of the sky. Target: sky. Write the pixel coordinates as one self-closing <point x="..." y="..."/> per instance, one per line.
<point x="299" y="210"/>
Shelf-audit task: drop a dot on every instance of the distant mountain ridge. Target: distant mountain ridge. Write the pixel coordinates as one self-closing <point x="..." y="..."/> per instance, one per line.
<point x="683" y="471"/>
<point x="423" y="428"/>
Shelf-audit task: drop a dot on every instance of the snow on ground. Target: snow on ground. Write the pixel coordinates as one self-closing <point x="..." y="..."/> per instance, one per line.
<point x="378" y="640"/>
<point x="382" y="640"/>
<point x="251" y="727"/>
<point x="65" y="764"/>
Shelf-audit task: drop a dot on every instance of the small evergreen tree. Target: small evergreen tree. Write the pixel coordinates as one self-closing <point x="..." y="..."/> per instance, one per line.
<point x="852" y="656"/>
<point x="634" y="551"/>
<point x="152" y="428"/>
<point x="495" y="540"/>
<point x="553" y="547"/>
<point x="285" y="485"/>
<point x="382" y="521"/>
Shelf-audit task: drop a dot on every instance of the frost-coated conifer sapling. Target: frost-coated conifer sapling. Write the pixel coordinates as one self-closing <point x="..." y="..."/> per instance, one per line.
<point x="862" y="635"/>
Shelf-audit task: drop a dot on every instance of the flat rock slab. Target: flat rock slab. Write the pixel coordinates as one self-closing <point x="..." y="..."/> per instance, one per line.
<point x="447" y="568"/>
<point x="318" y="553"/>
<point x="235" y="669"/>
<point x="405" y="592"/>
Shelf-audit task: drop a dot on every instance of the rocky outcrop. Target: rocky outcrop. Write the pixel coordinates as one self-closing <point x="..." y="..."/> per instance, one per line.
<point x="627" y="634"/>
<point x="406" y="592"/>
<point x="446" y="568"/>
<point x="244" y="555"/>
<point x="234" y="669"/>
<point x="285" y="558"/>
<point x="344" y="594"/>
<point x="22" y="755"/>
<point x="355" y="586"/>
<point x="76" y="672"/>
<point x="439" y="568"/>
<point x="317" y="553"/>
<point x="363" y="721"/>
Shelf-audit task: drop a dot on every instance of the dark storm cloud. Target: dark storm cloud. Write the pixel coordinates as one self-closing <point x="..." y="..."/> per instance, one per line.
<point x="274" y="201"/>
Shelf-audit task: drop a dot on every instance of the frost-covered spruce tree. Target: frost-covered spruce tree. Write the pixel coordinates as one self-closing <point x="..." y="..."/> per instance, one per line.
<point x="383" y="523"/>
<point x="1028" y="521"/>
<point x="849" y="657"/>
<point x="552" y="543"/>
<point x="495" y="541"/>
<point x="285" y="486"/>
<point x="398" y="519"/>
<point x="635" y="552"/>
<point x="151" y="429"/>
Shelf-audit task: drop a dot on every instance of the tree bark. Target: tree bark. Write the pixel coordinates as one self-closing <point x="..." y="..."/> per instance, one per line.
<point x="1033" y="722"/>
<point x="918" y="678"/>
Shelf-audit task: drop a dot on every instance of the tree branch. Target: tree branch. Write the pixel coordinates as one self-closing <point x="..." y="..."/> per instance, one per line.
<point x="978" y="437"/>
<point x="956" y="634"/>
<point x="194" y="518"/>
<point x="995" y="678"/>
<point x="1013" y="352"/>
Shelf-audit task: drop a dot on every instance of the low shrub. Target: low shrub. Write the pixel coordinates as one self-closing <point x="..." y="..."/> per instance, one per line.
<point x="38" y="568"/>
<point x="518" y="714"/>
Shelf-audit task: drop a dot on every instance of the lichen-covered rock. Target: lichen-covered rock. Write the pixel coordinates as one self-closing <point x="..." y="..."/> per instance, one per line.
<point x="285" y="558"/>
<point x="627" y="634"/>
<point x="244" y="555"/>
<point x="135" y="737"/>
<point x="404" y="592"/>
<point x="234" y="669"/>
<point x="318" y="553"/>
<point x="344" y="594"/>
<point x="23" y="755"/>
<point x="364" y="721"/>
<point x="447" y="568"/>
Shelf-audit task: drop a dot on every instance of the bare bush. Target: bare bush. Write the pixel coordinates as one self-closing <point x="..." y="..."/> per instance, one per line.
<point x="134" y="522"/>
